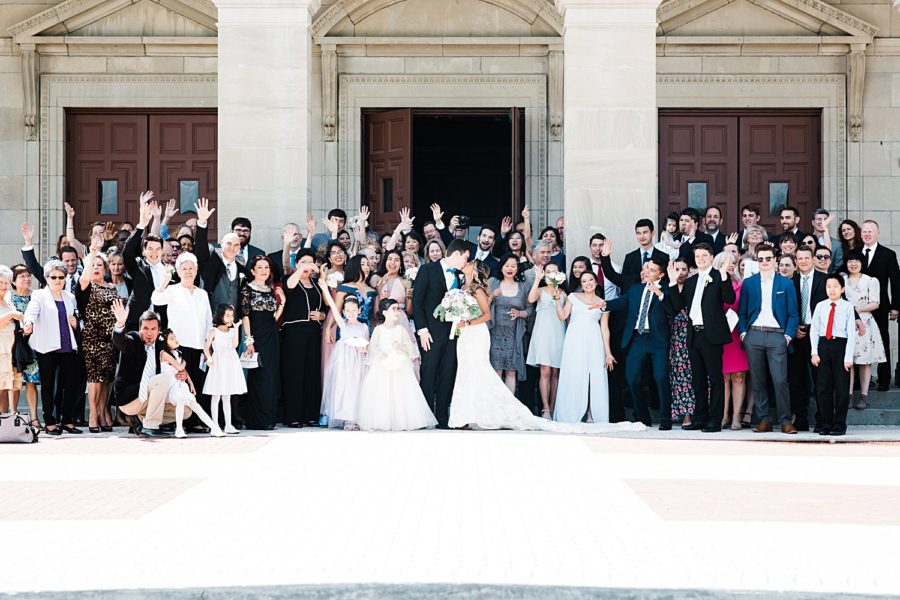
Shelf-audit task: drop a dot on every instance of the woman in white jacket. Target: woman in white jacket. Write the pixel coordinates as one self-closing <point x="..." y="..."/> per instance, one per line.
<point x="51" y="322"/>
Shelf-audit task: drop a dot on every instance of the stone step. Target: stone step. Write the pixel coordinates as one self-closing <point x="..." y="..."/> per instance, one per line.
<point x="874" y="416"/>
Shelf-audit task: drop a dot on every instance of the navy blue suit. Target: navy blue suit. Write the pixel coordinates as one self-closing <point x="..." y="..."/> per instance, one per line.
<point x="653" y="344"/>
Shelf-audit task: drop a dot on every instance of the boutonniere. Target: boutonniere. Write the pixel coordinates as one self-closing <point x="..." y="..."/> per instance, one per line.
<point x="241" y="276"/>
<point x="708" y="279"/>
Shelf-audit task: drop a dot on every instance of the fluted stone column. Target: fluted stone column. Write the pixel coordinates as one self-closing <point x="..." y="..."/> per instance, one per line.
<point x="610" y="119"/>
<point x="264" y="113"/>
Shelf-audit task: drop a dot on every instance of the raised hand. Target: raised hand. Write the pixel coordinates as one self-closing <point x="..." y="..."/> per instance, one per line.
<point x="506" y="226"/>
<point x="732" y="238"/>
<point x="526" y="214"/>
<point x="828" y="221"/>
<point x="96" y="244"/>
<point x="331" y="225"/>
<point x="146" y="197"/>
<point x="146" y="215"/>
<point x="165" y="279"/>
<point x="606" y="249"/>
<point x="364" y="216"/>
<point x="27" y="233"/>
<point x="436" y="212"/>
<point x="538" y="272"/>
<point x="310" y="225"/>
<point x="109" y="231"/>
<point x="454" y="222"/>
<point x="157" y="210"/>
<point x="291" y="235"/>
<point x="70" y="212"/>
<point x="204" y="212"/>
<point x="171" y="209"/>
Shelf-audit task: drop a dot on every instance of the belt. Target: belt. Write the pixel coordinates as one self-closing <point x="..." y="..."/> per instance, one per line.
<point x="698" y="327"/>
<point x="767" y="329"/>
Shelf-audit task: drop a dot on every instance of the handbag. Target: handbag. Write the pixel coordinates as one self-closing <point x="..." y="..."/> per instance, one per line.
<point x="16" y="429"/>
<point x="250" y="360"/>
<point x="23" y="355"/>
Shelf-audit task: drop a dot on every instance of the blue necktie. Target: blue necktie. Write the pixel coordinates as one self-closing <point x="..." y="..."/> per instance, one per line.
<point x="645" y="308"/>
<point x="455" y="284"/>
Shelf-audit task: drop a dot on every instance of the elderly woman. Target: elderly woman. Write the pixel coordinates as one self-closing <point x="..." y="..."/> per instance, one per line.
<point x="95" y="297"/>
<point x="190" y="317"/>
<point x="51" y="323"/>
<point x="20" y="295"/>
<point x="755" y="236"/>
<point x="10" y="379"/>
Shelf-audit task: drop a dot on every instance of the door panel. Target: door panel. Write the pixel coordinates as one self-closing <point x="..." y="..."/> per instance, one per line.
<point x="183" y="162"/>
<point x="780" y="163"/>
<point x="106" y="168"/>
<point x="698" y="165"/>
<point x="388" y="166"/>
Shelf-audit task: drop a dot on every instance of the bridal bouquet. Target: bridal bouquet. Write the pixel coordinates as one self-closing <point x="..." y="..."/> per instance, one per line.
<point x="410" y="275"/>
<point x="555" y="279"/>
<point x="334" y="279"/>
<point x="457" y="306"/>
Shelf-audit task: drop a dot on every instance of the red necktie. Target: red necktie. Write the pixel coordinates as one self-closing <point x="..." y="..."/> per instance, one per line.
<point x="830" y="326"/>
<point x="600" y="277"/>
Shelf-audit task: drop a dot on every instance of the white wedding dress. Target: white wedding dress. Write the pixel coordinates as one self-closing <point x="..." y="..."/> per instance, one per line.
<point x="481" y="400"/>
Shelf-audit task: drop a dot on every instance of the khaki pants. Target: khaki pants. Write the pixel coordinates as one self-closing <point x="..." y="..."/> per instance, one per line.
<point x="154" y="411"/>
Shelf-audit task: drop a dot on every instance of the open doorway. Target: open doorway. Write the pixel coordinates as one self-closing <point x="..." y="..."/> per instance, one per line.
<point x="470" y="161"/>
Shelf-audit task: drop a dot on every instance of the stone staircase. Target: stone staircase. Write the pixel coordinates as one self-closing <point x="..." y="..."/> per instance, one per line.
<point x="883" y="409"/>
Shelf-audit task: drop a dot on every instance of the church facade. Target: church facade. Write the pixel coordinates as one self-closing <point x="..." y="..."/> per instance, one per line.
<point x="603" y="110"/>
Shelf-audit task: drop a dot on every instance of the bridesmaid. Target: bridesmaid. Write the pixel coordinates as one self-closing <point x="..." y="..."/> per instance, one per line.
<point x="679" y="358"/>
<point x="547" y="337"/>
<point x="356" y="282"/>
<point x="394" y="285"/>
<point x="509" y="310"/>
<point x="579" y="266"/>
<point x="734" y="359"/>
<point x="261" y="307"/>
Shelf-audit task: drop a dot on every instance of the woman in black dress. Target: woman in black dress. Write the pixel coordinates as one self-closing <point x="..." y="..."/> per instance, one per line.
<point x="261" y="306"/>
<point x="301" y="344"/>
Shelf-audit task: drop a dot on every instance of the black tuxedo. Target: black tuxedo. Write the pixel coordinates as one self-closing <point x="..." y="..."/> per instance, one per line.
<point x="718" y="242"/>
<point x="883" y="267"/>
<point x="706" y="345"/>
<point x="210" y="267"/>
<point x="652" y="345"/>
<point x="631" y="267"/>
<point x="142" y="285"/>
<point x="686" y="251"/>
<point x="132" y="359"/>
<point x="438" y="369"/>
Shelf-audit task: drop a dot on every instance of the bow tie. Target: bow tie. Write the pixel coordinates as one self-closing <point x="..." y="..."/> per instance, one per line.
<point x="454" y="271"/>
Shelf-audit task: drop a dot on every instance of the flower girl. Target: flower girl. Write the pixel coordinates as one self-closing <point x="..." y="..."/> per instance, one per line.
<point x="225" y="377"/>
<point x="181" y="393"/>
<point x="391" y="397"/>
<point x="346" y="366"/>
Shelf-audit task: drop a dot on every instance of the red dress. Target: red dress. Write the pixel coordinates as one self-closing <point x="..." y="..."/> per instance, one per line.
<point x="734" y="359"/>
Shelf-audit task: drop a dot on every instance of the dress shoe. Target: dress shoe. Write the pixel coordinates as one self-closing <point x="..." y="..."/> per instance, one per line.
<point x="71" y="429"/>
<point x="801" y="425"/>
<point x="762" y="427"/>
<point x="883" y="388"/>
<point x="787" y="428"/>
<point x="56" y="431"/>
<point x="157" y="433"/>
<point x="106" y="429"/>
<point x="692" y="427"/>
<point x="823" y="431"/>
<point x="838" y="431"/>
<point x="711" y="429"/>
<point x="134" y="424"/>
<point x="647" y="423"/>
<point x="861" y="403"/>
<point x="170" y="427"/>
<point x="819" y="429"/>
<point x="665" y="427"/>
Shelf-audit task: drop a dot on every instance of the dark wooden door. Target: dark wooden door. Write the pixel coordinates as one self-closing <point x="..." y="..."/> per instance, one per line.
<point x="699" y="165"/>
<point x="106" y="167"/>
<point x="184" y="160"/>
<point x="780" y="165"/>
<point x="388" y="153"/>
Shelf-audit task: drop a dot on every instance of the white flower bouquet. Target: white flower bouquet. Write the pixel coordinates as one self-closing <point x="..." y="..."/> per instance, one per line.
<point x="457" y="306"/>
<point x="555" y="279"/>
<point x="410" y="275"/>
<point x="334" y="279"/>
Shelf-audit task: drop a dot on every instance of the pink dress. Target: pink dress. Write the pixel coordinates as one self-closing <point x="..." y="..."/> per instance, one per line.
<point x="734" y="359"/>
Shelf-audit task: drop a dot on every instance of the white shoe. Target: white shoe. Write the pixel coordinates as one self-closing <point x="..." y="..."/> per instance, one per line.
<point x="217" y="432"/>
<point x="231" y="429"/>
<point x="179" y="433"/>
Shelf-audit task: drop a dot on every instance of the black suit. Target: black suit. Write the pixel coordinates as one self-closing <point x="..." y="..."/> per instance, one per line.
<point x="142" y="285"/>
<point x="132" y="359"/>
<point x="490" y="261"/>
<point x="686" y="251"/>
<point x="718" y="242"/>
<point x="653" y="344"/>
<point x="800" y="378"/>
<point x="438" y="370"/>
<point x="211" y="268"/>
<point x="706" y="345"/>
<point x="631" y="267"/>
<point x="883" y="266"/>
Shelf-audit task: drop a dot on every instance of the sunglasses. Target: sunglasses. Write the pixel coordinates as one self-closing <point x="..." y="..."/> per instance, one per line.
<point x="57" y="277"/>
<point x="823" y="257"/>
<point x="766" y="258"/>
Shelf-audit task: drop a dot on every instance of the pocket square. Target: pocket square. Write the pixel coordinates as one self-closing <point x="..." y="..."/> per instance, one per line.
<point x="781" y="292"/>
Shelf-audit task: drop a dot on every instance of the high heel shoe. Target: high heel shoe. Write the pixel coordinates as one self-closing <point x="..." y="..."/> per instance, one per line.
<point x="106" y="428"/>
<point x="94" y="429"/>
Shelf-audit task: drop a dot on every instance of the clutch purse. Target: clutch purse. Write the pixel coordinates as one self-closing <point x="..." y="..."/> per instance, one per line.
<point x="250" y="360"/>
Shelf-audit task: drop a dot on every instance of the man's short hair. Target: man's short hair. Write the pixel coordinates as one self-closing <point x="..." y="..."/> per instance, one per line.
<point x="427" y="223"/>
<point x="148" y="315"/>
<point x="151" y="238"/>
<point x="716" y="208"/>
<point x="66" y="250"/>
<point x="242" y="222"/>
<point x="644" y="223"/>
<point x="337" y="212"/>
<point x="488" y="227"/>
<point x="765" y="248"/>
<point x="461" y="246"/>
<point x="597" y="236"/>
<point x="751" y="208"/>
<point x="693" y="213"/>
<point x="98" y="224"/>
<point x="663" y="265"/>
<point x="704" y="246"/>
<point x="793" y="209"/>
<point x="825" y="248"/>
<point x="821" y="211"/>
<point x="802" y="248"/>
<point x="540" y="243"/>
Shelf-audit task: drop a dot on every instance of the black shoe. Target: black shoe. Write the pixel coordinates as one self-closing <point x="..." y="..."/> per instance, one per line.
<point x="201" y="429"/>
<point x="838" y="431"/>
<point x="439" y="426"/>
<point x="71" y="429"/>
<point x="665" y="427"/>
<point x="711" y="429"/>
<point x="818" y="429"/>
<point x="295" y="425"/>
<point x="57" y="431"/>
<point x="170" y="427"/>
<point x="801" y="425"/>
<point x="823" y="430"/>
<point x="883" y="388"/>
<point x="94" y="429"/>
<point x="134" y="424"/>
<point x="159" y="433"/>
<point x="692" y="427"/>
<point x="106" y="429"/>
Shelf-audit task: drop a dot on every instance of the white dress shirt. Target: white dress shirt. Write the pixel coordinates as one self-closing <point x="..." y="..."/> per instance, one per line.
<point x="807" y="280"/>
<point x="696" y="314"/>
<point x="230" y="269"/>
<point x="869" y="252"/>
<point x="449" y="277"/>
<point x="610" y="290"/>
<point x="189" y="314"/>
<point x="481" y="254"/>
<point x="157" y="271"/>
<point x="646" y="291"/>
<point x="844" y="326"/>
<point x="766" y="317"/>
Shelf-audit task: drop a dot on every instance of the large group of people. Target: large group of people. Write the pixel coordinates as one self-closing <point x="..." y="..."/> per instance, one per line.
<point x="157" y="327"/>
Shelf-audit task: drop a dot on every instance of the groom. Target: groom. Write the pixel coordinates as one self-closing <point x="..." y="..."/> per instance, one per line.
<point x="438" y="370"/>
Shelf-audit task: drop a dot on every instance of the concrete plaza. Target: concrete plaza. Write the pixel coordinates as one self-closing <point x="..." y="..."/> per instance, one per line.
<point x="650" y="511"/>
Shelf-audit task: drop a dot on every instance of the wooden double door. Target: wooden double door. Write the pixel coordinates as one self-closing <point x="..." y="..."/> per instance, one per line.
<point x="729" y="159"/>
<point x="111" y="157"/>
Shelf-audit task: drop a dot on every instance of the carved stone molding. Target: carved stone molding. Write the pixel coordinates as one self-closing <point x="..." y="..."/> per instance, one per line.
<point x="856" y="79"/>
<point x="555" y="105"/>
<point x="329" y="93"/>
<point x="31" y="78"/>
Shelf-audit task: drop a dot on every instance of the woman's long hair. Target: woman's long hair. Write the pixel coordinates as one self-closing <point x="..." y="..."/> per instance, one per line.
<point x="480" y="278"/>
<point x="382" y="269"/>
<point x="255" y="261"/>
<point x="385" y="304"/>
<point x="575" y="282"/>
<point x="353" y="270"/>
<point x="505" y="259"/>
<point x="853" y="244"/>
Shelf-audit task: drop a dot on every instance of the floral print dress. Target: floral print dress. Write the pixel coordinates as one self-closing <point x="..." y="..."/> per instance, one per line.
<point x="31" y="374"/>
<point x="680" y="369"/>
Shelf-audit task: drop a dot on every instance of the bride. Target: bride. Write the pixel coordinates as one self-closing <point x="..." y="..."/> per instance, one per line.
<point x="480" y="398"/>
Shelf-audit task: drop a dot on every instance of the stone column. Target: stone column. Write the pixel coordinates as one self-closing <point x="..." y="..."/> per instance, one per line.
<point x="264" y="113"/>
<point x="610" y="119"/>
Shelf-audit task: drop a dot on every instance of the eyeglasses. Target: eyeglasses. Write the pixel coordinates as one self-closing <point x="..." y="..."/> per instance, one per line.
<point x="823" y="257"/>
<point x="765" y="258"/>
<point x="336" y="252"/>
<point x="241" y="230"/>
<point x="57" y="277"/>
